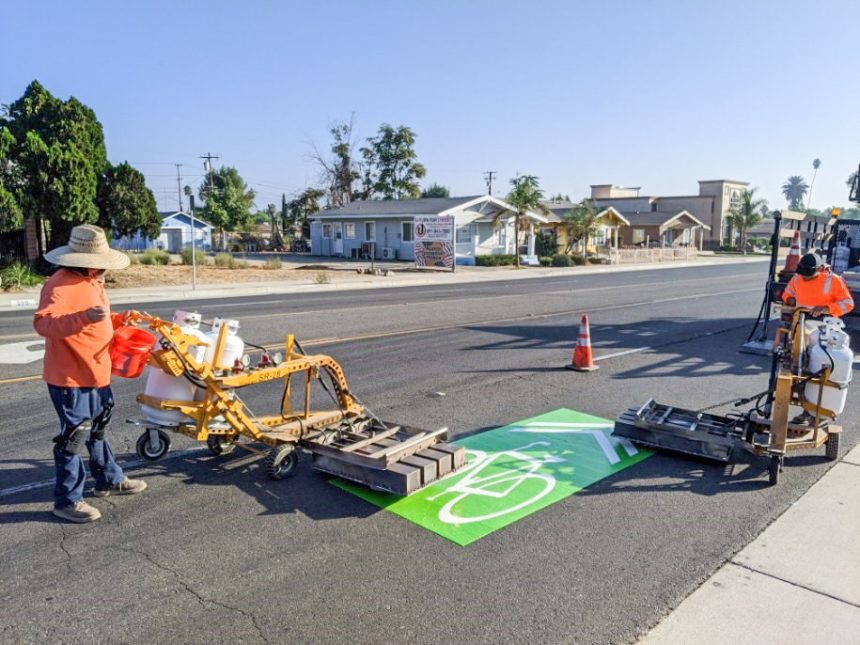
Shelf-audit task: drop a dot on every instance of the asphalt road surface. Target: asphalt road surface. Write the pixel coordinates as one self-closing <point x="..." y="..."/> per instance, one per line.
<point x="214" y="551"/>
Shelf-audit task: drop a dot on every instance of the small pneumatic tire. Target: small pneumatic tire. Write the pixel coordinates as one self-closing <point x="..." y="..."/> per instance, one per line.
<point x="831" y="448"/>
<point x="152" y="450"/>
<point x="281" y="462"/>
<point x="219" y="445"/>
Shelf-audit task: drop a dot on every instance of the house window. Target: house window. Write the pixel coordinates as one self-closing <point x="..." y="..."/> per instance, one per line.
<point x="370" y="231"/>
<point x="407" y="231"/>
<point x="600" y="238"/>
<point x="326" y="230"/>
<point x="638" y="235"/>
<point x="464" y="234"/>
<point x="349" y="231"/>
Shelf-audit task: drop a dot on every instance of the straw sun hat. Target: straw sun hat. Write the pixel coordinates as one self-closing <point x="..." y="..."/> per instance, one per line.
<point x="87" y="249"/>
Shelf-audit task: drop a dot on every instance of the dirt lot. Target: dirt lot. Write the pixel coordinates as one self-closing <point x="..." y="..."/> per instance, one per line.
<point x="140" y="275"/>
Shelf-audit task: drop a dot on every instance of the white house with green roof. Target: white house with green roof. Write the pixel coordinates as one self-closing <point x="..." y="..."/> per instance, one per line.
<point x="484" y="225"/>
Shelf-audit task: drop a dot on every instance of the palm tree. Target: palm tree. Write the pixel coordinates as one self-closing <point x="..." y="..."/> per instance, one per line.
<point x="794" y="190"/>
<point x="746" y="215"/>
<point x="582" y="224"/>
<point x="816" y="164"/>
<point x="525" y="196"/>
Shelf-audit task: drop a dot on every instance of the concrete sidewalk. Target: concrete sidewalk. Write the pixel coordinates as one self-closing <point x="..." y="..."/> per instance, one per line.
<point x="28" y="299"/>
<point x="797" y="583"/>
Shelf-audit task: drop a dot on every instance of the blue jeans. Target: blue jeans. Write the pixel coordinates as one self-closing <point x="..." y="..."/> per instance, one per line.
<point x="74" y="406"/>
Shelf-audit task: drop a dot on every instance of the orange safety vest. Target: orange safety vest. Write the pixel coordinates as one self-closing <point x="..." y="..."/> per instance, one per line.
<point x="824" y="290"/>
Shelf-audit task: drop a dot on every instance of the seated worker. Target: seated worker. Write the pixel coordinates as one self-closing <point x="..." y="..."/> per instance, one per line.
<point x="815" y="287"/>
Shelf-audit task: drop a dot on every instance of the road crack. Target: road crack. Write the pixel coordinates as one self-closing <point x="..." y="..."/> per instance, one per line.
<point x="203" y="600"/>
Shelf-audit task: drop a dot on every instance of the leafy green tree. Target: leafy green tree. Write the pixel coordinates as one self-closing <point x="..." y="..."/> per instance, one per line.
<point x="304" y="205"/>
<point x="582" y="224"/>
<point x="436" y="190"/>
<point x="125" y="204"/>
<point x="60" y="153"/>
<point x="558" y="197"/>
<point x="11" y="215"/>
<point x="228" y="201"/>
<point x="746" y="215"/>
<point x="794" y="189"/>
<point x="391" y="167"/>
<point x="525" y="196"/>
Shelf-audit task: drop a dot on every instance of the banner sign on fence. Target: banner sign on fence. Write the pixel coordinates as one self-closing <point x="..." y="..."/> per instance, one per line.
<point x="512" y="472"/>
<point x="434" y="241"/>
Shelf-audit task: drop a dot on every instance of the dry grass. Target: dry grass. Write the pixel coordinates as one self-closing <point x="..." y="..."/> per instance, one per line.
<point x="149" y="276"/>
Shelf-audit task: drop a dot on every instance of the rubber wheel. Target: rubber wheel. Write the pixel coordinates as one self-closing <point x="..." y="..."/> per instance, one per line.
<point x="773" y="469"/>
<point x="153" y="450"/>
<point x="219" y="445"/>
<point x="281" y="461"/>
<point x="831" y="448"/>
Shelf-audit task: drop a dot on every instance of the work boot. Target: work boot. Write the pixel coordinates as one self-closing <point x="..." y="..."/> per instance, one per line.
<point x="80" y="513"/>
<point x="125" y="487"/>
<point x="803" y="419"/>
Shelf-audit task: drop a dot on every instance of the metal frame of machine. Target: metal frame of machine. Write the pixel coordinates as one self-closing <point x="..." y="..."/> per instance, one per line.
<point x="347" y="441"/>
<point x="765" y="429"/>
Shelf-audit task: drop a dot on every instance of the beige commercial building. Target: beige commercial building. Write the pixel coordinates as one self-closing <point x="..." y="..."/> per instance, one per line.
<point x="711" y="207"/>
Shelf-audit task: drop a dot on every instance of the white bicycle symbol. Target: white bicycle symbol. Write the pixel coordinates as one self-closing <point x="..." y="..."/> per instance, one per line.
<point x="488" y="485"/>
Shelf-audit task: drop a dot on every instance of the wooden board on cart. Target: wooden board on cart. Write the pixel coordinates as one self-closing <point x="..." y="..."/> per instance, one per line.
<point x="400" y="461"/>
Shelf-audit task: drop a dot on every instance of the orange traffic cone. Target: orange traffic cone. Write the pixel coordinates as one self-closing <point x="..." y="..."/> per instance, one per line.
<point x="582" y="359"/>
<point x="793" y="254"/>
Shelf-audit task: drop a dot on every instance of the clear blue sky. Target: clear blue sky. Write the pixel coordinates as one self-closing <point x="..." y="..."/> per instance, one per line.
<point x="638" y="93"/>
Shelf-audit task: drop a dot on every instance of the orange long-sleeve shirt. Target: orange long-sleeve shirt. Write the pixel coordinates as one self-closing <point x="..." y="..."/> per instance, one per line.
<point x="77" y="351"/>
<point x="825" y="290"/>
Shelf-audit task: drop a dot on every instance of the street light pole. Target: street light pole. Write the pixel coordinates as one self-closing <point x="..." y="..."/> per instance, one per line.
<point x="193" y="247"/>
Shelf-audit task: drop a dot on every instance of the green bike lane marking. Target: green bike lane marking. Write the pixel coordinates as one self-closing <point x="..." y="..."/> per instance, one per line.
<point x="512" y="472"/>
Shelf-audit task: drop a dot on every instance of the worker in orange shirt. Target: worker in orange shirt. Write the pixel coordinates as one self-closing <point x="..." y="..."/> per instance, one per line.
<point x="74" y="317"/>
<point x="815" y="287"/>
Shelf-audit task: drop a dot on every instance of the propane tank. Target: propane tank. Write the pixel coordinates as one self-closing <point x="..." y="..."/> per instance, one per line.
<point x="161" y="385"/>
<point x="829" y="347"/>
<point x="234" y="347"/>
<point x="840" y="258"/>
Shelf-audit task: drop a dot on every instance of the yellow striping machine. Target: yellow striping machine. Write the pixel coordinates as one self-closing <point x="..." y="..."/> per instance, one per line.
<point x="811" y="368"/>
<point x="194" y="385"/>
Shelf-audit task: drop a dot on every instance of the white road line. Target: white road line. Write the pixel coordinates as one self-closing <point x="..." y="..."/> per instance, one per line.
<point x="126" y="465"/>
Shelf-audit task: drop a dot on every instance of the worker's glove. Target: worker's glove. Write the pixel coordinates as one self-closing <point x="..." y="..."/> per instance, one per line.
<point x="125" y="318"/>
<point x="817" y="312"/>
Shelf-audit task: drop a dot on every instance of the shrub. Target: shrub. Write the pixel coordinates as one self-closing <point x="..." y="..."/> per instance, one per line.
<point x="225" y="260"/>
<point x="273" y="264"/>
<point x="322" y="277"/>
<point x="561" y="260"/>
<point x="17" y="276"/>
<point x="545" y="261"/>
<point x="134" y="258"/>
<point x="155" y="256"/>
<point x="199" y="256"/>
<point x="545" y="244"/>
<point x="578" y="259"/>
<point x="495" y="260"/>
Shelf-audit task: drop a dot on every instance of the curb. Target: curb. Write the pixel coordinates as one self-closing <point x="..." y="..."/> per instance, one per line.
<point x="28" y="300"/>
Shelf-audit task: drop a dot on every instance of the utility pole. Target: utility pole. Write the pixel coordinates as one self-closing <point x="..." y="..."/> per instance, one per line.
<point x="207" y="165"/>
<point x="193" y="243"/>
<point x="179" y="184"/>
<point x="488" y="176"/>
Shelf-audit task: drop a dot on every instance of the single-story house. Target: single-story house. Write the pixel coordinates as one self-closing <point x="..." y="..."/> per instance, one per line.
<point x="609" y="219"/>
<point x="484" y="225"/>
<point x="174" y="236"/>
<point x="663" y="228"/>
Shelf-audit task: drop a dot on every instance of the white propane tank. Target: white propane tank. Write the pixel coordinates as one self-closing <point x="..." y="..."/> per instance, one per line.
<point x="841" y="256"/>
<point x="829" y="347"/>
<point x="161" y="385"/>
<point x="234" y="347"/>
